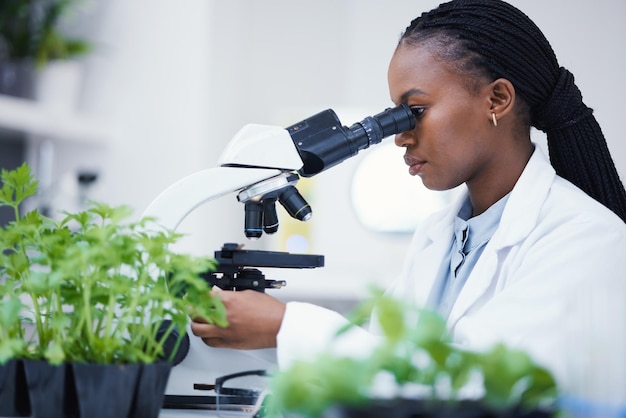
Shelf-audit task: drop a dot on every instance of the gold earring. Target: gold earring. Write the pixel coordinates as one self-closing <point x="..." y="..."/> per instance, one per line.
<point x="493" y="119"/>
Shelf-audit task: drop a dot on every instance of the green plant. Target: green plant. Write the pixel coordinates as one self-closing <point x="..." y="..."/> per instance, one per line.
<point x="416" y="357"/>
<point x="29" y="30"/>
<point x="99" y="287"/>
<point x="12" y="342"/>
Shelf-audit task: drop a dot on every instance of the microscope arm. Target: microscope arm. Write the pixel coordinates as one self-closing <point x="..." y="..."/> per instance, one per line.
<point x="177" y="201"/>
<point x="255" y="154"/>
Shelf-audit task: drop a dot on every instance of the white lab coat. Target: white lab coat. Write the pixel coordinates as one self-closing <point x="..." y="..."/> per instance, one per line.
<point x="552" y="281"/>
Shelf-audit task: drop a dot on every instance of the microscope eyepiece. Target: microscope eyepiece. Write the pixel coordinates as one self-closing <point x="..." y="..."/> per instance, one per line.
<point x="384" y="124"/>
<point x="323" y="142"/>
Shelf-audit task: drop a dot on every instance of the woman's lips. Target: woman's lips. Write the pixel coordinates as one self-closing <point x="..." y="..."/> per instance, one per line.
<point x="415" y="164"/>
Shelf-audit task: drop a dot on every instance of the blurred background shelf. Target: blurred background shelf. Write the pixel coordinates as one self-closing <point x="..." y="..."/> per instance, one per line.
<point x="33" y="118"/>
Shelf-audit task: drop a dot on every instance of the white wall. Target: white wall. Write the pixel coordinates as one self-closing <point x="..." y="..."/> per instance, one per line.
<point x="147" y="81"/>
<point x="177" y="79"/>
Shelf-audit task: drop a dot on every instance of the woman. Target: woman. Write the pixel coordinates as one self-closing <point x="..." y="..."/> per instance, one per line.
<point x="534" y="253"/>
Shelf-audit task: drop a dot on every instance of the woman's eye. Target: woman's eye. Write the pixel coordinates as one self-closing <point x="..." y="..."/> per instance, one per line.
<point x="418" y="112"/>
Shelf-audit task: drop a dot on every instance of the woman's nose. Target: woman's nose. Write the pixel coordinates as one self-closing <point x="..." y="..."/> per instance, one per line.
<point x="403" y="139"/>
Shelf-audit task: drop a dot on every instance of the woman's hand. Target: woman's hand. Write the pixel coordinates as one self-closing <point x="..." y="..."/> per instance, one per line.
<point x="254" y="319"/>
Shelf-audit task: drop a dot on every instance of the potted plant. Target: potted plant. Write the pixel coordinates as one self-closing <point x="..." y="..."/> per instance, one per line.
<point x="31" y="38"/>
<point x="416" y="371"/>
<point x="101" y="295"/>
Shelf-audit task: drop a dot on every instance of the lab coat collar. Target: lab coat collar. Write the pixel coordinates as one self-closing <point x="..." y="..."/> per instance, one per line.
<point x="525" y="201"/>
<point x="522" y="209"/>
<point x="518" y="219"/>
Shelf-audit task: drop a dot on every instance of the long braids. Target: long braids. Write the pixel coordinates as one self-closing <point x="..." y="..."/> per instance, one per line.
<point x="495" y="39"/>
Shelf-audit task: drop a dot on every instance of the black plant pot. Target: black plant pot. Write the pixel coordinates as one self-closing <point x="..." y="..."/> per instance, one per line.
<point x="105" y="390"/>
<point x="49" y="389"/>
<point x="13" y="392"/>
<point x="408" y="408"/>
<point x="150" y="390"/>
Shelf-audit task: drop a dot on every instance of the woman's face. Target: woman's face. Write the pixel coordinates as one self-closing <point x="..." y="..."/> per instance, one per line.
<point x="453" y="140"/>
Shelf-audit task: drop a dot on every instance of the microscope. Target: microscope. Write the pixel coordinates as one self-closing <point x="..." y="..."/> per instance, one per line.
<point x="262" y="165"/>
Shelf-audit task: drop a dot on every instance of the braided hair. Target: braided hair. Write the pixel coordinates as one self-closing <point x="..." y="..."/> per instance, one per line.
<point x="493" y="39"/>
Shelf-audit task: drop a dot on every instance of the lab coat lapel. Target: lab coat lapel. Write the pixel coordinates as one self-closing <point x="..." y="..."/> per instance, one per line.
<point x="438" y="236"/>
<point x="479" y="281"/>
<point x="518" y="219"/>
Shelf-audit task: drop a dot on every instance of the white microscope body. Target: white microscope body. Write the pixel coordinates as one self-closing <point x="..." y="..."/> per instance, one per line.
<point x="258" y="163"/>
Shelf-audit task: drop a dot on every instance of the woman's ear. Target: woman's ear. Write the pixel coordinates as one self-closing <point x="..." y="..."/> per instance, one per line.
<point x="501" y="98"/>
